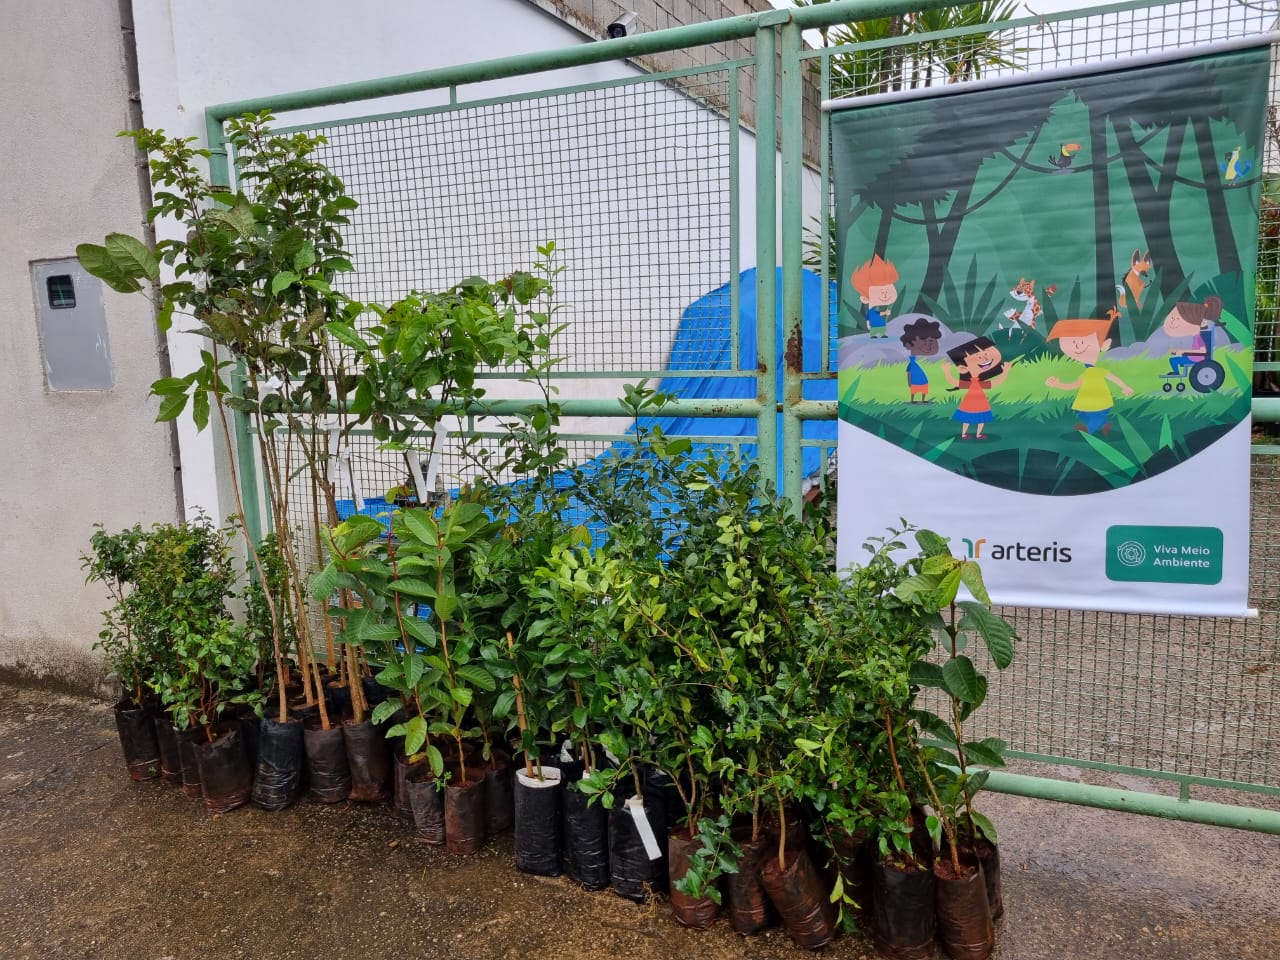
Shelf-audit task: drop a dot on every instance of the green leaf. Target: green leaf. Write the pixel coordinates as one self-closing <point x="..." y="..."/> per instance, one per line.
<point x="346" y="334"/>
<point x="926" y="674"/>
<point x="502" y="706"/>
<point x="971" y="577"/>
<point x="169" y="385"/>
<point x="810" y="747"/>
<point x="938" y="564"/>
<point x="200" y="409"/>
<point x="462" y="695"/>
<point x="931" y="544"/>
<point x="477" y="676"/>
<point x="413" y="670"/>
<point x="996" y="632"/>
<point x="325" y="582"/>
<point x="935" y="726"/>
<point x="304" y="258"/>
<point x="99" y="263"/>
<point x="984" y="827"/>
<point x="385" y="710"/>
<point x="417" y="523"/>
<point x="960" y="680"/>
<point x="283" y="280"/>
<point x="988" y="752"/>
<point x="415" y="734"/>
<point x="172" y="405"/>
<point x="132" y="255"/>
<point x="413" y="587"/>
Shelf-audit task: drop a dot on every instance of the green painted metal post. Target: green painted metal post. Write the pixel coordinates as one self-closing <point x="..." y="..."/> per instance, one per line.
<point x="792" y="264"/>
<point x="767" y="254"/>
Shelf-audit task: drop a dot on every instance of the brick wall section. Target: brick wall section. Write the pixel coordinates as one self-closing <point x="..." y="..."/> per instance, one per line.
<point x="592" y="18"/>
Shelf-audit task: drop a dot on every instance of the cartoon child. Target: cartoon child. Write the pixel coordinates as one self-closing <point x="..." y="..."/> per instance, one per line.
<point x="978" y="368"/>
<point x="921" y="340"/>
<point x="1085" y="341"/>
<point x="874" y="281"/>
<point x="1195" y="320"/>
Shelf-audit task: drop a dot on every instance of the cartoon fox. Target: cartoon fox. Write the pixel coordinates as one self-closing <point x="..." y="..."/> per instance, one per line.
<point x="1135" y="281"/>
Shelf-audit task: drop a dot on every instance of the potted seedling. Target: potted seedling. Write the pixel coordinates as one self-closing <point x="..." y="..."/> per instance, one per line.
<point x="126" y="642"/>
<point x="953" y="771"/>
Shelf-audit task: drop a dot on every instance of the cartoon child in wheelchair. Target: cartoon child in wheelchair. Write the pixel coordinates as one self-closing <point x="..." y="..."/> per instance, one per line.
<point x="1194" y="364"/>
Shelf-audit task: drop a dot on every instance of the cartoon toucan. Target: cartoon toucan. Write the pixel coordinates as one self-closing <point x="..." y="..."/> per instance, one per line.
<point x="1066" y="153"/>
<point x="1233" y="168"/>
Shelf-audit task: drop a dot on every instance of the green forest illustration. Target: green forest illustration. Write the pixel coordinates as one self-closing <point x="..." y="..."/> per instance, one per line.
<point x="1048" y="287"/>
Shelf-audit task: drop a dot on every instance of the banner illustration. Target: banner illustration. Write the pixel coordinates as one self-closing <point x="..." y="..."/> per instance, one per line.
<point x="1046" y="324"/>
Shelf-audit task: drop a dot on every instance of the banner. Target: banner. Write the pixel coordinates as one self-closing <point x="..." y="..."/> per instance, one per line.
<point x="1046" y="326"/>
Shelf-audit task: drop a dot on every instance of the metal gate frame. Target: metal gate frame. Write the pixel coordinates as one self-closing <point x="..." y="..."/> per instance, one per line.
<point x="780" y="61"/>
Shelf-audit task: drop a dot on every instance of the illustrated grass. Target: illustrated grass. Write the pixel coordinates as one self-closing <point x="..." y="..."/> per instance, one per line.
<point x="1033" y="444"/>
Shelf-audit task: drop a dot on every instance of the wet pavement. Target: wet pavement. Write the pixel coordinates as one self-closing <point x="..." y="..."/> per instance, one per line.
<point x="96" y="866"/>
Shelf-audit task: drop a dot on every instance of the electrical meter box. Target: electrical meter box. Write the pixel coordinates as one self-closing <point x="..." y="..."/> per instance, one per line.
<point x="73" y="326"/>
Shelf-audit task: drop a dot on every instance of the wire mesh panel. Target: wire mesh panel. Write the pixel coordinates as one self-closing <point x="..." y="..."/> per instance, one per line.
<point x="1184" y="697"/>
<point x="631" y="180"/>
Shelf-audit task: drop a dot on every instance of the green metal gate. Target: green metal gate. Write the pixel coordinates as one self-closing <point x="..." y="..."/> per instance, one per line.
<point x="658" y="188"/>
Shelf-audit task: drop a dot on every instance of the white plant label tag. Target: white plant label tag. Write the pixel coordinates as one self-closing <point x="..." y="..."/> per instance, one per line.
<point x="635" y="805"/>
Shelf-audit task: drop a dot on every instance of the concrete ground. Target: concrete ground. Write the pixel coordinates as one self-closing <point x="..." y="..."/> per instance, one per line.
<point x="96" y="866"/>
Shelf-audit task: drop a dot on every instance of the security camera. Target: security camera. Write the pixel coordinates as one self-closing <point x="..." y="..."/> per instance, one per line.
<point x="624" y="26"/>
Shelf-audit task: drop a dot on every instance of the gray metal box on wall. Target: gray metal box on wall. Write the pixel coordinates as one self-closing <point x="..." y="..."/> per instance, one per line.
<point x="73" y="326"/>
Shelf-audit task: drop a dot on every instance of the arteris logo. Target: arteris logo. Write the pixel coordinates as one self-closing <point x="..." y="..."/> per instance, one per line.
<point x="980" y="548"/>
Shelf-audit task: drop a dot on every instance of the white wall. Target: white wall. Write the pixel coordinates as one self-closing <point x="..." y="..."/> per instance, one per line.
<point x="70" y="458"/>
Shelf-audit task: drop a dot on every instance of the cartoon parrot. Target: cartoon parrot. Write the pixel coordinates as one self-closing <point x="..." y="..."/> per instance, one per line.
<point x="1233" y="168"/>
<point x="1066" y="153"/>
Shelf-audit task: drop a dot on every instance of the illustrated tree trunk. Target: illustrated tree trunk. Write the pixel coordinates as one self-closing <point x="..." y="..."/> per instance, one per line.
<point x="882" y="234"/>
<point x="1223" y="238"/>
<point x="1104" y="252"/>
<point x="942" y="236"/>
<point x="1151" y="199"/>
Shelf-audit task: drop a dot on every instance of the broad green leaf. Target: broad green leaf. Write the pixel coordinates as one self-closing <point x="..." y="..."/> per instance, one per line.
<point x="436" y="759"/>
<point x="988" y="752"/>
<point x="960" y="679"/>
<point x="984" y="827"/>
<point x="419" y="525"/>
<point x="99" y="263"/>
<point x="938" y="564"/>
<point x="810" y="747"/>
<point x="283" y="281"/>
<point x="462" y="695"/>
<point x="935" y="726"/>
<point x="346" y="334"/>
<point x="200" y="409"/>
<point x="385" y="710"/>
<point x="931" y="544"/>
<point x="926" y="674"/>
<point x="413" y="587"/>
<point x="415" y="734"/>
<point x="477" y="676"/>
<point x="503" y="705"/>
<point x="304" y="257"/>
<point x="996" y="632"/>
<point x="413" y="669"/>
<point x="134" y="256"/>
<point x="948" y="587"/>
<point x="171" y="406"/>
<point x="170" y="385"/>
<point x="325" y="582"/>
<point x="971" y="577"/>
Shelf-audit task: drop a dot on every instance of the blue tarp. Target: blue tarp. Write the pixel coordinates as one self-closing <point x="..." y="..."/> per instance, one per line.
<point x="704" y="342"/>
